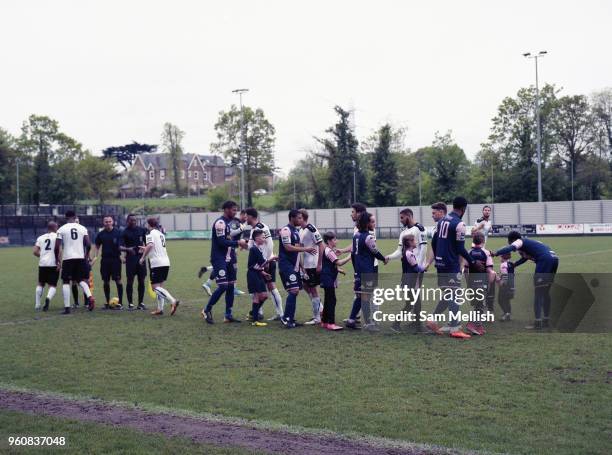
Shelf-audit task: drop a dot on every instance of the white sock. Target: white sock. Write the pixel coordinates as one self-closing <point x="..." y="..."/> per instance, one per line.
<point x="316" y="308"/>
<point x="85" y="288"/>
<point x="66" y="292"/>
<point x="39" y="292"/>
<point x="278" y="301"/>
<point x="51" y="292"/>
<point x="160" y="302"/>
<point x="165" y="294"/>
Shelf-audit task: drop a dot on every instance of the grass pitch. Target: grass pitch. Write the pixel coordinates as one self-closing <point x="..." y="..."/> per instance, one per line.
<point x="515" y="393"/>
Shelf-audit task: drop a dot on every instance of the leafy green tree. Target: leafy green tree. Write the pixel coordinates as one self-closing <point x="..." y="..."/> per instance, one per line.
<point x="572" y="129"/>
<point x="8" y="156"/>
<point x="445" y="162"/>
<point x="601" y="103"/>
<point x="310" y="176"/>
<point x="99" y="177"/>
<point x="42" y="141"/>
<point x="513" y="141"/>
<point x="218" y="195"/>
<point x="246" y="138"/>
<point x="342" y="157"/>
<point x="383" y="180"/>
<point x="172" y="137"/>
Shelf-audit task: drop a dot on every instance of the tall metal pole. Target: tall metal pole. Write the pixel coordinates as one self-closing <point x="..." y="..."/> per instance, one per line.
<point x="538" y="126"/>
<point x="17" y="163"/>
<point x="240" y="91"/>
<point x="492" y="183"/>
<point x="572" y="171"/>
<point x="420" y="192"/>
<point x="538" y="132"/>
<point x="354" y="182"/>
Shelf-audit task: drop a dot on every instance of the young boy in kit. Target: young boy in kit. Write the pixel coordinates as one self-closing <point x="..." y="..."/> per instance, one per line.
<point x="329" y="273"/>
<point x="479" y="276"/>
<point x="256" y="276"/>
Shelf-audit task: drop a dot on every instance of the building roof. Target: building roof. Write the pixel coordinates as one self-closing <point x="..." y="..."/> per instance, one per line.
<point x="160" y="160"/>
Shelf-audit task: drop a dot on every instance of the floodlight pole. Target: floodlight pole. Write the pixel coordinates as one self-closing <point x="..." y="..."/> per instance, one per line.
<point x="240" y="91"/>
<point x="17" y="165"/>
<point x="354" y="182"/>
<point x="538" y="126"/>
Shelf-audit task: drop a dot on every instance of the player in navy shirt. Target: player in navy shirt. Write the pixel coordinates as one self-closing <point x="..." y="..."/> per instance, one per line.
<point x="132" y="238"/>
<point x="364" y="253"/>
<point x="289" y="264"/>
<point x="546" y="262"/>
<point x="449" y="248"/>
<point x="109" y="239"/>
<point x="224" y="262"/>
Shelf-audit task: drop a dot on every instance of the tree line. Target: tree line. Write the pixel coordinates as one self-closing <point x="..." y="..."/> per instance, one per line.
<point x="53" y="167"/>
<point x="380" y="170"/>
<point x="576" y="144"/>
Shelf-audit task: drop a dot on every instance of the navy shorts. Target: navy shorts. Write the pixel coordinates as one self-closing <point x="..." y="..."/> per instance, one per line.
<point x="224" y="272"/>
<point x="545" y="270"/>
<point x="450" y="279"/>
<point x="291" y="279"/>
<point x="365" y="282"/>
<point x="110" y="268"/>
<point x="256" y="282"/>
<point x="271" y="269"/>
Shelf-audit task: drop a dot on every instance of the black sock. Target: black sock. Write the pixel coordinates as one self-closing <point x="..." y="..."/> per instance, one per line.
<point x="255" y="310"/>
<point x="120" y="292"/>
<point x="129" y="290"/>
<point x="75" y="294"/>
<point x="107" y="291"/>
<point x="141" y="290"/>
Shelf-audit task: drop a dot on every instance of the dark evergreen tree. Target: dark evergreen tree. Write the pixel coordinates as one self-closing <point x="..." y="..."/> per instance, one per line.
<point x="383" y="180"/>
<point x="340" y="152"/>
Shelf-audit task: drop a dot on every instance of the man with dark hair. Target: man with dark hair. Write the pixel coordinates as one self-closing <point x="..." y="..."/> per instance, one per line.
<point x="289" y="264"/>
<point x="48" y="272"/>
<point x="450" y="247"/>
<point x="365" y="253"/>
<point x="546" y="261"/>
<point x="109" y="239"/>
<point x="483" y="224"/>
<point x="73" y="245"/>
<point x="133" y="237"/>
<point x="238" y="229"/>
<point x="252" y="219"/>
<point x="224" y="262"/>
<point x="311" y="265"/>
<point x="438" y="211"/>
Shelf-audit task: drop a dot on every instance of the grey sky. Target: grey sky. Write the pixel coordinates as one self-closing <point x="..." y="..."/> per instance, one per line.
<point x="115" y="71"/>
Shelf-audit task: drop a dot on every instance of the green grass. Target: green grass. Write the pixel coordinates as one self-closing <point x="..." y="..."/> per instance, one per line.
<point x="91" y="438"/>
<point x="515" y="393"/>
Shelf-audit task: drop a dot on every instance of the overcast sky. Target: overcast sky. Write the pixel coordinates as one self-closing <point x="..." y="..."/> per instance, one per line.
<point x="114" y="71"/>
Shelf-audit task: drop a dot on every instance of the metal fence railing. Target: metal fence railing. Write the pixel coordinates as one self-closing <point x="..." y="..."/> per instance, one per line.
<point x="387" y="218"/>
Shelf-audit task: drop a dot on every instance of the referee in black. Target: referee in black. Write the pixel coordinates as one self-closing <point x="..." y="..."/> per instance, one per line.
<point x="109" y="239"/>
<point x="133" y="237"/>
